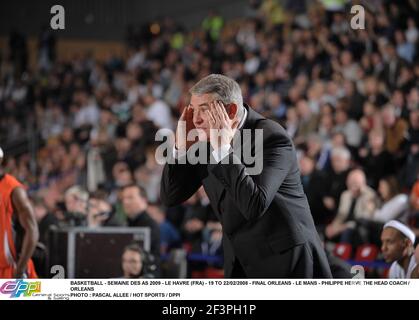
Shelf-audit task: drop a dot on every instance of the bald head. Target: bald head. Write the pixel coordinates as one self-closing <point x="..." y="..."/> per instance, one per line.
<point x="1" y="155"/>
<point x="356" y="181"/>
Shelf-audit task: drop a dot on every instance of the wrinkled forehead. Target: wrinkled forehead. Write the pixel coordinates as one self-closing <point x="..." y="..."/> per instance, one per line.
<point x="202" y="101"/>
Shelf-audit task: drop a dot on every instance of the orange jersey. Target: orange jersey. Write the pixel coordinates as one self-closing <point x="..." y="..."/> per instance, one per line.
<point x="8" y="254"/>
<point x="415" y="193"/>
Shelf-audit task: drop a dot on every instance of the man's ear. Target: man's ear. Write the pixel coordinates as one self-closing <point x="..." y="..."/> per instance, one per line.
<point x="232" y="110"/>
<point x="406" y="245"/>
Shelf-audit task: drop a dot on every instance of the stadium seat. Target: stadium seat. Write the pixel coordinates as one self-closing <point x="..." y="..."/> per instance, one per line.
<point x="214" y="273"/>
<point x="366" y="252"/>
<point x="343" y="251"/>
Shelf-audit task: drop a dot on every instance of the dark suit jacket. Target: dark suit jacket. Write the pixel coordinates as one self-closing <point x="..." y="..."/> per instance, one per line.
<point x="144" y="220"/>
<point x="267" y="224"/>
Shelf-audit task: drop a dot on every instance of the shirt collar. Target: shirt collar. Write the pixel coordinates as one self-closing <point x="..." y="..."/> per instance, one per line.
<point x="243" y="119"/>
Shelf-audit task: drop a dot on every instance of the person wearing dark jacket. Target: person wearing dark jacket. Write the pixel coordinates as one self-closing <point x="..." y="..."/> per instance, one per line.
<point x="268" y="230"/>
<point x="134" y="202"/>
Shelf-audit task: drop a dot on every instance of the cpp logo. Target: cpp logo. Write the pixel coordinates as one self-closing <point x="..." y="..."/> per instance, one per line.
<point x="19" y="287"/>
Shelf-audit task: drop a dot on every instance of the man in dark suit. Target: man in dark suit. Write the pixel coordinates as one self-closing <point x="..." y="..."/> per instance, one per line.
<point x="135" y="204"/>
<point x="268" y="231"/>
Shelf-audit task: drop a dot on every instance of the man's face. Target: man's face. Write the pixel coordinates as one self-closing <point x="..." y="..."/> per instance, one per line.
<point x="355" y="183"/>
<point x="306" y="166"/>
<point x="339" y="163"/>
<point x="74" y="203"/>
<point x="200" y="104"/>
<point x="132" y="201"/>
<point x="376" y="140"/>
<point x="131" y="263"/>
<point x="393" y="245"/>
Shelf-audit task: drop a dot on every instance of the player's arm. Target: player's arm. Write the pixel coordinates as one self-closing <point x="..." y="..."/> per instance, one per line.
<point x="26" y="217"/>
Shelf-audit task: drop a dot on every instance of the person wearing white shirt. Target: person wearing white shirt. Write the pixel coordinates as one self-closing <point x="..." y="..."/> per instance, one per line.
<point x="397" y="247"/>
<point x="263" y="207"/>
<point x="395" y="205"/>
<point x="158" y="112"/>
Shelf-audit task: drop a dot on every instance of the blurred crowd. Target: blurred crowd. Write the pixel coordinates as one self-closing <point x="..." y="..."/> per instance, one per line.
<point x="348" y="98"/>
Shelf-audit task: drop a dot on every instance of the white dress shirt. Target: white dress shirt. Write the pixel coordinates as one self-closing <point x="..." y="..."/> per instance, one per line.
<point x="221" y="152"/>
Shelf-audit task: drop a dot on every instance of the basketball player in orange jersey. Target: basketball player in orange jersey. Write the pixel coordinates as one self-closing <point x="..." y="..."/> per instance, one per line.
<point x="16" y="217"/>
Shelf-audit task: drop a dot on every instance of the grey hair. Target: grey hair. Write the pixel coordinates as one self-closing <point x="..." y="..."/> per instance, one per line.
<point x="77" y="191"/>
<point x="223" y="88"/>
<point x="341" y="152"/>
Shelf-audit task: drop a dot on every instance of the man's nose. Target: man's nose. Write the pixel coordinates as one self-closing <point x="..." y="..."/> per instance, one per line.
<point x="197" y="117"/>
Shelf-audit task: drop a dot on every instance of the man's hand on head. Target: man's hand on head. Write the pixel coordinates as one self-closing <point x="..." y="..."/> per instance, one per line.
<point x="222" y="128"/>
<point x="185" y="124"/>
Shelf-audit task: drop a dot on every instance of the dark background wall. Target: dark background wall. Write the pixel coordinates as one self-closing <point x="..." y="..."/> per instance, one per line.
<point x="107" y="19"/>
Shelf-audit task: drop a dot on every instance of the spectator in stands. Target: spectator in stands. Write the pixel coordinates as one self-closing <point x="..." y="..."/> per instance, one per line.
<point x="313" y="184"/>
<point x="76" y="200"/>
<point x="317" y="151"/>
<point x="394" y="205"/>
<point x="335" y="179"/>
<point x="134" y="263"/>
<point x="159" y="112"/>
<point x="194" y="223"/>
<point x="397" y="247"/>
<point x="100" y="212"/>
<point x="169" y="235"/>
<point x="46" y="220"/>
<point x="292" y="122"/>
<point x="349" y="127"/>
<point x="326" y="128"/>
<point x="395" y="130"/>
<point x="354" y="205"/>
<point x="213" y="25"/>
<point x="212" y="242"/>
<point x="371" y="118"/>
<point x="376" y="161"/>
<point x="134" y="203"/>
<point x="308" y="121"/>
<point x="412" y="163"/>
<point x="148" y="175"/>
<point x="87" y="110"/>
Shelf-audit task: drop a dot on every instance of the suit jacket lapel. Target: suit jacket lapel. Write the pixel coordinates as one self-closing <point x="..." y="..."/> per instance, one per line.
<point x="252" y="118"/>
